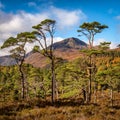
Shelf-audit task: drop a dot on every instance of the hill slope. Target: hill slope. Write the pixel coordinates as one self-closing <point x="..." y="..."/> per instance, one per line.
<point x="69" y="43"/>
<point x="7" y="61"/>
<point x="67" y="49"/>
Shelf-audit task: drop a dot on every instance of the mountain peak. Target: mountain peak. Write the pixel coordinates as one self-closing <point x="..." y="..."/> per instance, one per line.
<point x="67" y="49"/>
<point x="70" y="43"/>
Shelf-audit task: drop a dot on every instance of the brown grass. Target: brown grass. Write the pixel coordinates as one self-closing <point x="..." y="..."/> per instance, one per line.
<point x="67" y="109"/>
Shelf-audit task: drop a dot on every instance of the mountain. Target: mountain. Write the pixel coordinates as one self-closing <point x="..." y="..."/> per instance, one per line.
<point x="69" y="43"/>
<point x="67" y="49"/>
<point x="7" y="61"/>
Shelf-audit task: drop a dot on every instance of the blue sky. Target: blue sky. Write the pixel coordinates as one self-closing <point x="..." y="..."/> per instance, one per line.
<point x="20" y="15"/>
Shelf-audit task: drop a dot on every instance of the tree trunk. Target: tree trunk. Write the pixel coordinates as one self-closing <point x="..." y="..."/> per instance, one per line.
<point x="53" y="81"/>
<point x="89" y="94"/>
<point x="90" y="81"/>
<point x="22" y="82"/>
<point x="27" y="89"/>
<point x="95" y="94"/>
<point x="111" y="96"/>
<point x="56" y="87"/>
<point x="84" y="94"/>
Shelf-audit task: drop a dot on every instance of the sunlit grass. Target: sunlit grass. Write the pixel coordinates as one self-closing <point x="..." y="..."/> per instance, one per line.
<point x="63" y="110"/>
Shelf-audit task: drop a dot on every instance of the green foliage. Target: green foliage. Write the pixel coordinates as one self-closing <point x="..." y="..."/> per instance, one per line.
<point x="36" y="49"/>
<point x="104" y="45"/>
<point x="9" y="42"/>
<point x="44" y="30"/>
<point x="70" y="76"/>
<point x="93" y="27"/>
<point x="89" y="30"/>
<point x="46" y="22"/>
<point x="18" y="52"/>
<point x="94" y="67"/>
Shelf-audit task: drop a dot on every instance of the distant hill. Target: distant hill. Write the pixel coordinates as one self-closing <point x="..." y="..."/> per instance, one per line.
<point x="7" y="61"/>
<point x="70" y="43"/>
<point x="67" y="49"/>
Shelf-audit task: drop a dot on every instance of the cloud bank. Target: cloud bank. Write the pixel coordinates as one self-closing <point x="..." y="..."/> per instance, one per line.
<point x="13" y="23"/>
<point x="67" y="18"/>
<point x="16" y="23"/>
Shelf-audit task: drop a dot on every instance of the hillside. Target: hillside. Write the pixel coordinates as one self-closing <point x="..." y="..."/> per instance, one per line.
<point x="72" y="80"/>
<point x="69" y="43"/>
<point x="6" y="60"/>
<point x="67" y="49"/>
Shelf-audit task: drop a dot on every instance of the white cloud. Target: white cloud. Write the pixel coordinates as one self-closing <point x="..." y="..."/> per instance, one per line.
<point x="16" y="23"/>
<point x="20" y="22"/>
<point x="29" y="46"/>
<point x="5" y="17"/>
<point x="113" y="45"/>
<point x="4" y="52"/>
<point x="67" y="18"/>
<point x="12" y="24"/>
<point x="98" y="41"/>
<point x="57" y="39"/>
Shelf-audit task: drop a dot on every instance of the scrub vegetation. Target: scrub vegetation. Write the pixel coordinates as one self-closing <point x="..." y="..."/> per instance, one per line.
<point x="86" y="88"/>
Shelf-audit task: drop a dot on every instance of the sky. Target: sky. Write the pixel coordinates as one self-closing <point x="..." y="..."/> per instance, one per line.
<point x="20" y="15"/>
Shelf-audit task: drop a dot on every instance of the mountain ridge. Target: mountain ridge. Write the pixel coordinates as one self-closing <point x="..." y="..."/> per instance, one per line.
<point x="70" y="43"/>
<point x="67" y="49"/>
